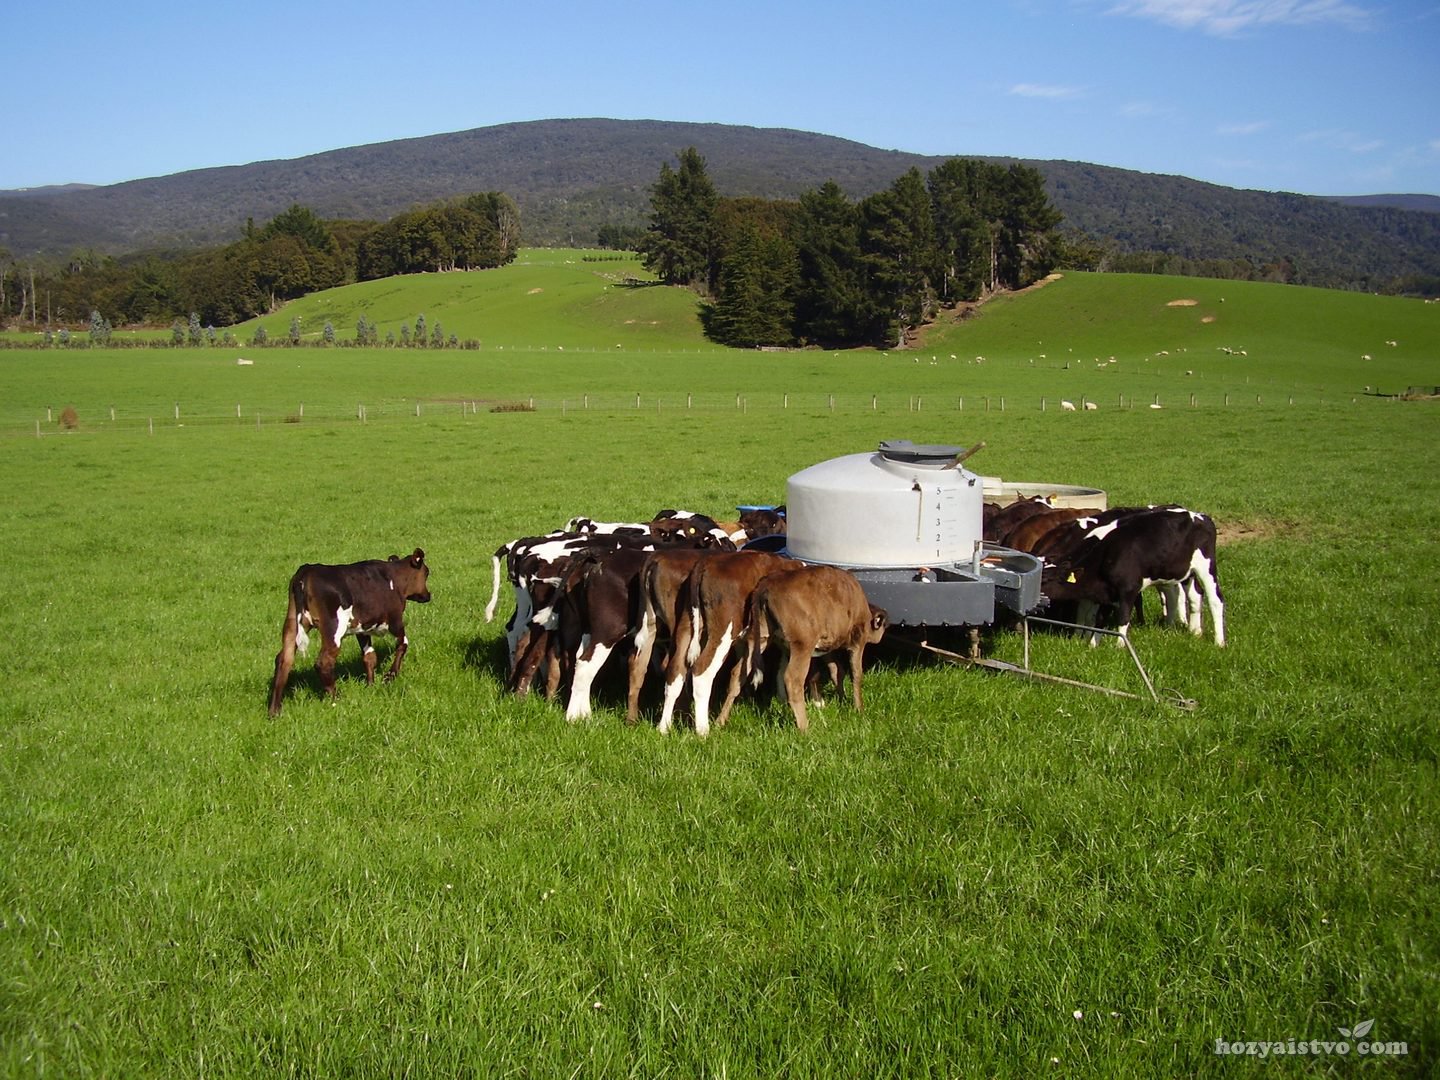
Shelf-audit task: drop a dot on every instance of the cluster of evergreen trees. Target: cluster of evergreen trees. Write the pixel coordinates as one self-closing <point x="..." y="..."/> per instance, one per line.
<point x="475" y="233"/>
<point x="295" y="253"/>
<point x="831" y="271"/>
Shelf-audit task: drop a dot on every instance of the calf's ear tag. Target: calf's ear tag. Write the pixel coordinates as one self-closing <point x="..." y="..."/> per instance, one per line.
<point x="1071" y="578"/>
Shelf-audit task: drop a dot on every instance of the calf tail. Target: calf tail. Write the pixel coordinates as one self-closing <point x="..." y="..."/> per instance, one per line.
<point x="495" y="587"/>
<point x="757" y="635"/>
<point x="291" y="636"/>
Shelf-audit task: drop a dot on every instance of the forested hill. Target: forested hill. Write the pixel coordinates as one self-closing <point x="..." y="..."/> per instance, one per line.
<point x="570" y="177"/>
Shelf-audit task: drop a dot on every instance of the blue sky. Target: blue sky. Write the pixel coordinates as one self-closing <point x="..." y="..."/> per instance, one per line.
<point x="1315" y="96"/>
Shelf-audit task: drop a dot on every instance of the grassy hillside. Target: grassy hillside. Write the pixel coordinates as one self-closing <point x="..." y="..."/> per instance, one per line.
<point x="548" y="298"/>
<point x="557" y="329"/>
<point x="973" y="876"/>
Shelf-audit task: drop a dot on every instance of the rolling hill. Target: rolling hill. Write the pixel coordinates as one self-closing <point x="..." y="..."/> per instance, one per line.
<point x="572" y="176"/>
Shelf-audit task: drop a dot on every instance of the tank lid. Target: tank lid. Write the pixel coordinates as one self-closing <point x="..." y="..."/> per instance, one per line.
<point x="919" y="453"/>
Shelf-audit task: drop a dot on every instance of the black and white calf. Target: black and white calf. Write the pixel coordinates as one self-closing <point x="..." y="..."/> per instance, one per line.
<point x="1165" y="546"/>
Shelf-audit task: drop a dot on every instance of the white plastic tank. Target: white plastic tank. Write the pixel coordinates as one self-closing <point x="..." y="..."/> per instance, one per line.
<point x="902" y="505"/>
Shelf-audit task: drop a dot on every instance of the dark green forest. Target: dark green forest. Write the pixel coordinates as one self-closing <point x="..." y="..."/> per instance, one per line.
<point x="293" y="254"/>
<point x="830" y="271"/>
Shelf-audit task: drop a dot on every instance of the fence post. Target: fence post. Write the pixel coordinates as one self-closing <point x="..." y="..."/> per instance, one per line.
<point x="919" y="402"/>
<point x="587" y="401"/>
<point x="152" y="425"/>
<point x="874" y="402"/>
<point x="785" y="402"/>
<point x="1002" y="404"/>
<point x="637" y="401"/>
<point x="302" y="410"/>
<point x="1042" y="404"/>
<point x="237" y="410"/>
<point x="177" y="412"/>
<point x="37" y="429"/>
<point x="688" y="400"/>
<point x="960" y="405"/>
<point x="112" y="414"/>
<point x="49" y="419"/>
<point x="832" y="402"/>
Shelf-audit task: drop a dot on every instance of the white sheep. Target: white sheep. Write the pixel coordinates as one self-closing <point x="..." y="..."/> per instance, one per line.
<point x="1068" y="406"/>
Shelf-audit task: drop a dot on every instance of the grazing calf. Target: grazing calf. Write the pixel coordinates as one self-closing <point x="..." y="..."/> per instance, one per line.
<point x="596" y="604"/>
<point x="1163" y="546"/>
<point x="664" y="601"/>
<point x="998" y="520"/>
<point x="758" y="523"/>
<point x="709" y="628"/>
<point x="812" y="612"/>
<point x="364" y="599"/>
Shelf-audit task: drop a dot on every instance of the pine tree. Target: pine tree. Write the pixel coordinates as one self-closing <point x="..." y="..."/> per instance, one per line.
<point x="678" y="245"/>
<point x="829" y="298"/>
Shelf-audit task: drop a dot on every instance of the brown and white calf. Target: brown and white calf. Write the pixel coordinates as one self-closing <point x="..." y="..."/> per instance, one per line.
<point x="812" y="612"/>
<point x="664" y="602"/>
<point x="708" y="629"/>
<point x="363" y="599"/>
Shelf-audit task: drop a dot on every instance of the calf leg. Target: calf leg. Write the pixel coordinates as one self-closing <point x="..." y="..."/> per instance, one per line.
<point x="857" y="657"/>
<point x="402" y="646"/>
<point x="325" y="665"/>
<point x="640" y="653"/>
<point x="367" y="653"/>
<point x="794" y="669"/>
<point x="284" y="661"/>
<point x="703" y="674"/>
<point x="587" y="665"/>
<point x="681" y="644"/>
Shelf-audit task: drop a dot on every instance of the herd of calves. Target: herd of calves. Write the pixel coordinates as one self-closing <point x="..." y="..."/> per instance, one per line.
<point x="689" y="584"/>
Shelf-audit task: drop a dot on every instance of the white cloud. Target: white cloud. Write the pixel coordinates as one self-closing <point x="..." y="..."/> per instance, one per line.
<point x="1253" y="127"/>
<point x="1335" y="139"/>
<point x="1225" y="17"/>
<point x="1042" y="90"/>
<point x="1143" y="109"/>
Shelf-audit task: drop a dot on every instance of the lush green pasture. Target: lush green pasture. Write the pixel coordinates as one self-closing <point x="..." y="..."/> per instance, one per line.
<point x="974" y="876"/>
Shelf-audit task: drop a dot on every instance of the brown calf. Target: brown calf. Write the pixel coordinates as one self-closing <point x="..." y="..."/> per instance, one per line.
<point x="364" y="599"/>
<point x="812" y="611"/>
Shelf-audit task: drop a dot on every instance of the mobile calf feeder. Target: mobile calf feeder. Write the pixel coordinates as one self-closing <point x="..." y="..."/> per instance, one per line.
<point x="908" y="521"/>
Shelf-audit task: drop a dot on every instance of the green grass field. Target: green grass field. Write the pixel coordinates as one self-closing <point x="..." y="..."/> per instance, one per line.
<point x="976" y="876"/>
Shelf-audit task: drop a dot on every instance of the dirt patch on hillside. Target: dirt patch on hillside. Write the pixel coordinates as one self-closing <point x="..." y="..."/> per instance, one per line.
<point x="1208" y="319"/>
<point x="967" y="309"/>
<point x="1234" y="532"/>
<point x="1182" y="303"/>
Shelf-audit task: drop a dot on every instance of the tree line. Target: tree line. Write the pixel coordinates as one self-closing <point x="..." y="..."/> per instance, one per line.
<point x="830" y="271"/>
<point x="293" y="254"/>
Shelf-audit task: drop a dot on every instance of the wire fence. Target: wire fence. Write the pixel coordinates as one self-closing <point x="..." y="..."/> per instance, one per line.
<point x="152" y="418"/>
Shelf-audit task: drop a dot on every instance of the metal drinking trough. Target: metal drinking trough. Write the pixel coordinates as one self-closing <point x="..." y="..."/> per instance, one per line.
<point x="908" y="521"/>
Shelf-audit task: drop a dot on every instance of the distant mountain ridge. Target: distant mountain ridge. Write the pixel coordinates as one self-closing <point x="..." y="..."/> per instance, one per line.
<point x="1430" y="204"/>
<point x="571" y="176"/>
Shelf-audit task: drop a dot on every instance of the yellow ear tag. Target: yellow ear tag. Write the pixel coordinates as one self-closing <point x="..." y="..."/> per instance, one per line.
<point x="1071" y="578"/>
